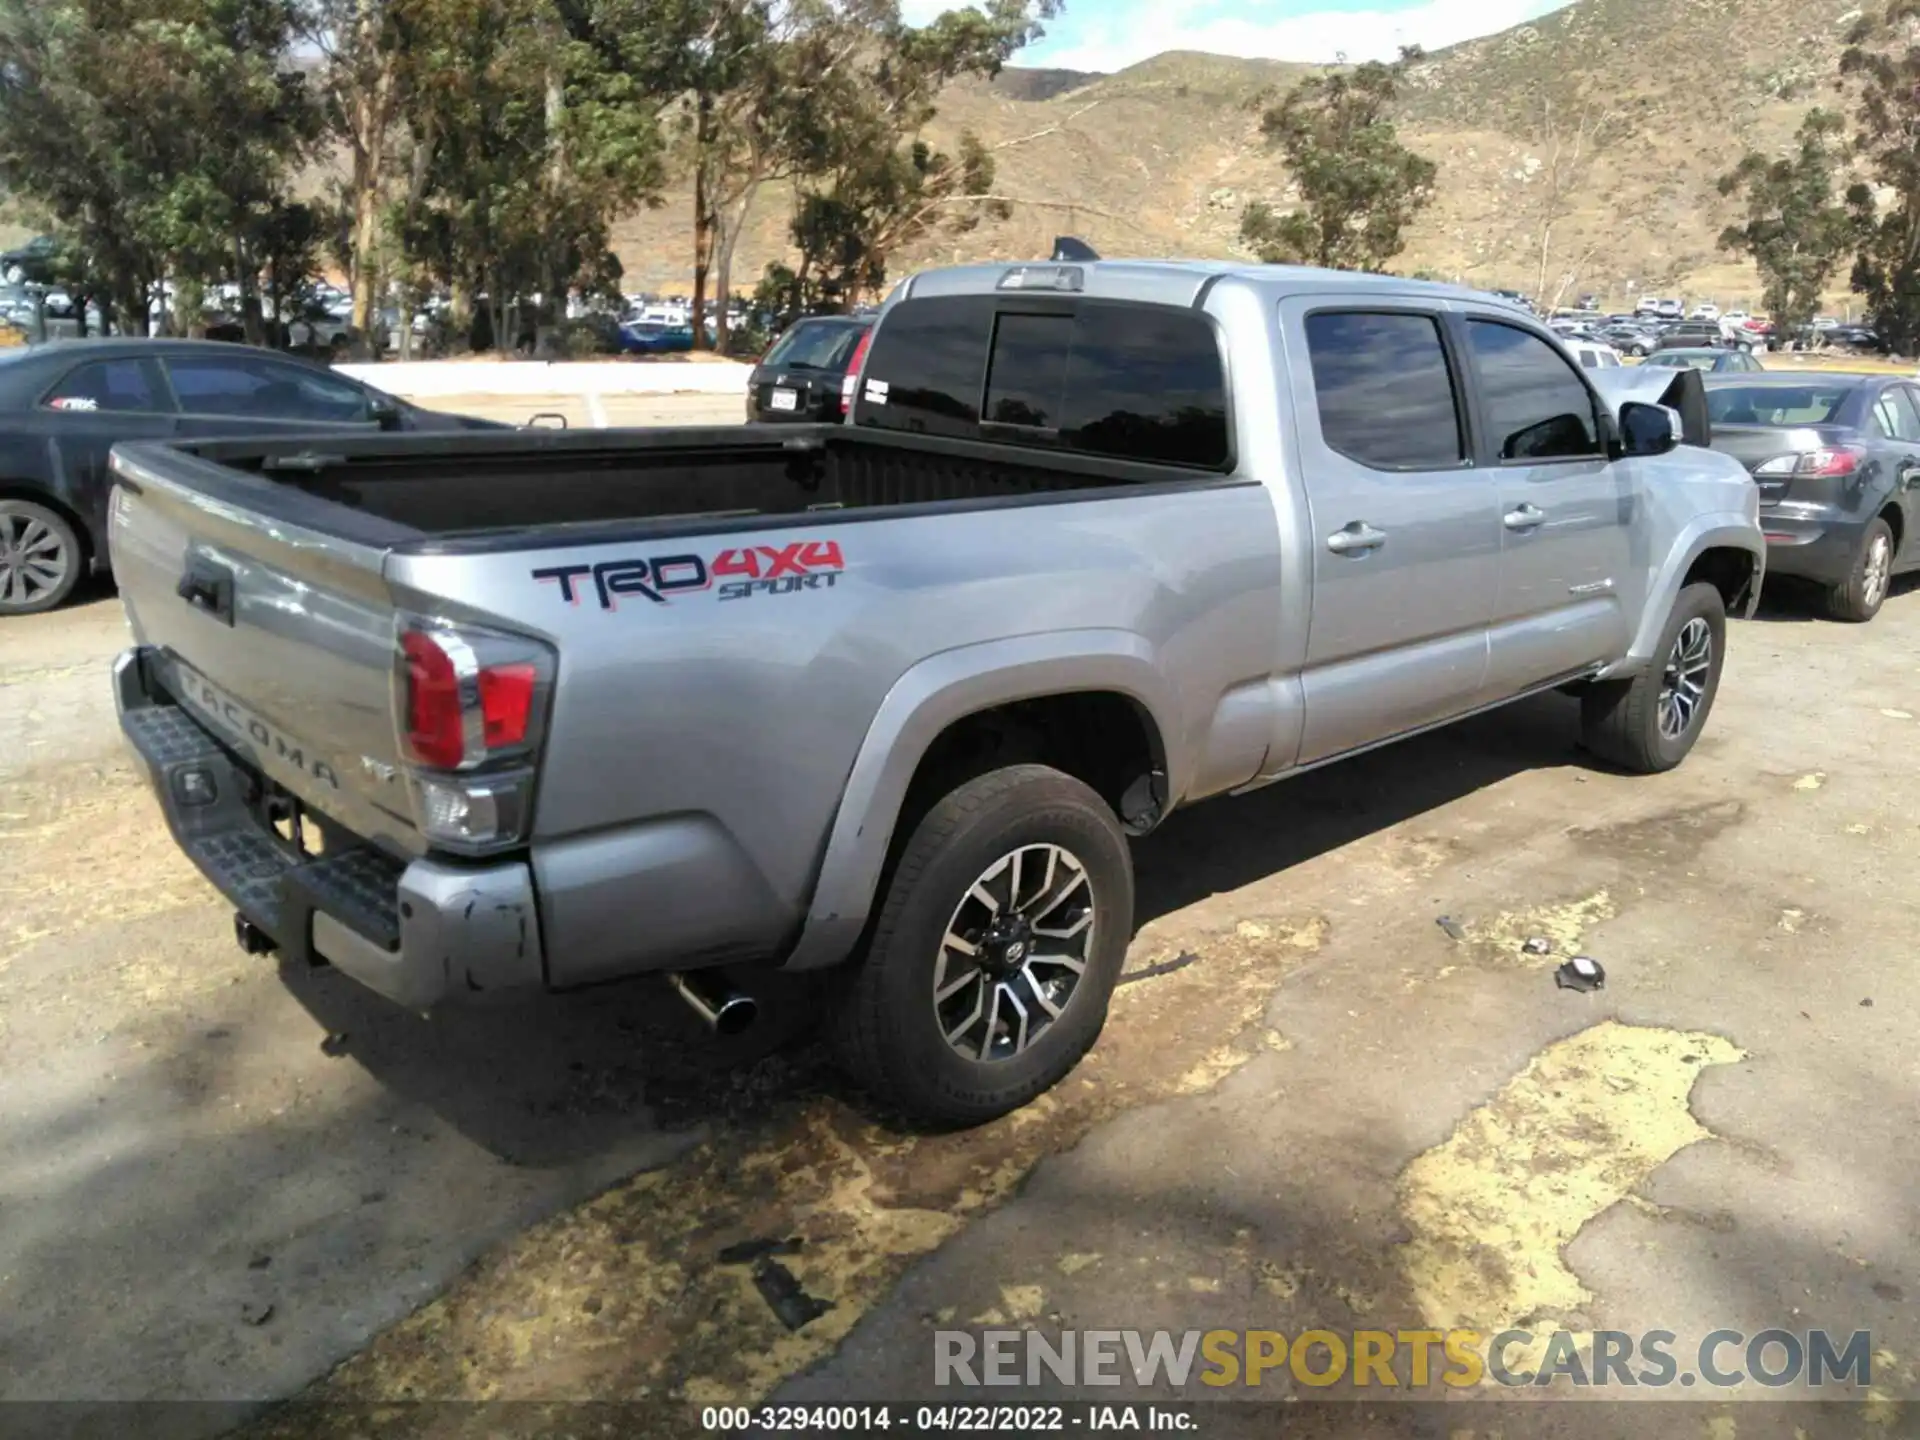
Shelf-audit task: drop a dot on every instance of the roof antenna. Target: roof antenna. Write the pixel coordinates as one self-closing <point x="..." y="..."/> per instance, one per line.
<point x="1070" y="247"/>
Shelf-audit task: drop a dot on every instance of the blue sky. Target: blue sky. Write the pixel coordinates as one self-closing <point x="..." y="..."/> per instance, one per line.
<point x="1110" y="35"/>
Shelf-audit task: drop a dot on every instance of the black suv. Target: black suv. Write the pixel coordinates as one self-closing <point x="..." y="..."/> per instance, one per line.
<point x="801" y="377"/>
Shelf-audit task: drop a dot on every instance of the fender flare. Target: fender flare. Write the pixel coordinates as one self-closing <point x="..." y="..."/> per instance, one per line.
<point x="1723" y="531"/>
<point x="922" y="703"/>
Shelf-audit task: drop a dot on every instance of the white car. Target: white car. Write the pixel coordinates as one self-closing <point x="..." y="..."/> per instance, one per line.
<point x="1649" y="305"/>
<point x="1705" y="312"/>
<point x="1736" y="317"/>
<point x="1592" y="355"/>
<point x="1667" y="309"/>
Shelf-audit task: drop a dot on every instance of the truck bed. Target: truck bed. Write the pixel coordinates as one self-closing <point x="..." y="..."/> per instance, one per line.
<point x="497" y="486"/>
<point x="711" y="693"/>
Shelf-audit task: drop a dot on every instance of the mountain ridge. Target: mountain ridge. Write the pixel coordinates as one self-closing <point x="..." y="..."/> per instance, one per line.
<point x="1160" y="158"/>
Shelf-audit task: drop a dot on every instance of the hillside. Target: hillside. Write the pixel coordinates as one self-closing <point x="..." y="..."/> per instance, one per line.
<point x="1159" y="159"/>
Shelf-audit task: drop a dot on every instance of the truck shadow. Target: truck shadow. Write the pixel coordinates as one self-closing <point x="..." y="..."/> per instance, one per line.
<point x="576" y="1079"/>
<point x="1786" y="599"/>
<point x="1223" y="845"/>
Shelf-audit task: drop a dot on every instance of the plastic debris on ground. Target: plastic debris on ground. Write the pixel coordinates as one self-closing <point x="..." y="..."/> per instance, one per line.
<point x="1582" y="973"/>
<point x="777" y="1286"/>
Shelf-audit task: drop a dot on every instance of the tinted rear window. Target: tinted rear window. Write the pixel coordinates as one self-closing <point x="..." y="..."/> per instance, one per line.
<point x="1147" y="383"/>
<point x="1384" y="389"/>
<point x="1812" y="404"/>
<point x="815" y="345"/>
<point x="932" y="357"/>
<point x="1140" y="382"/>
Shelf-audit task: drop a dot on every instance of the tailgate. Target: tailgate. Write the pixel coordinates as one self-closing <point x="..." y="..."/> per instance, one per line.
<point x="279" y="637"/>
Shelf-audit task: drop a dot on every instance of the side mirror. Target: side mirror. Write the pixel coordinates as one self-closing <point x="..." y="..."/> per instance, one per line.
<point x="1648" y="429"/>
<point x="386" y="414"/>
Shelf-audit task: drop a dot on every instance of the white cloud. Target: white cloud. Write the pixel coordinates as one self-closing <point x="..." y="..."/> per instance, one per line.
<point x="1116" y="41"/>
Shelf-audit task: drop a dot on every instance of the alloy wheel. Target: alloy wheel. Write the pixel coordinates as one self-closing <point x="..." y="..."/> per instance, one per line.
<point x="33" y="559"/>
<point x="1876" y="571"/>
<point x="1014" y="952"/>
<point x="1683" y="685"/>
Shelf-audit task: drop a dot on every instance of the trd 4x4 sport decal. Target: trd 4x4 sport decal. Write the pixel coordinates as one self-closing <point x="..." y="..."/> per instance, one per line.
<point x="738" y="574"/>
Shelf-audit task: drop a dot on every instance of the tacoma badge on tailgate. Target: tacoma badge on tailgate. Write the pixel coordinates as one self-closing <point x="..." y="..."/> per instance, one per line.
<point x="236" y="720"/>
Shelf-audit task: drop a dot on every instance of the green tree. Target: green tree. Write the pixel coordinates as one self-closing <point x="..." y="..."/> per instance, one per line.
<point x="871" y="185"/>
<point x="358" y="85"/>
<point x="1796" y="229"/>
<point x="1882" y="65"/>
<point x="157" y="135"/>
<point x="1359" y="187"/>
<point x="525" y="149"/>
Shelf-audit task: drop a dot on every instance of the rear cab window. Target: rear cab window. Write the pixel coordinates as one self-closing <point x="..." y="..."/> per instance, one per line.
<point x="1094" y="377"/>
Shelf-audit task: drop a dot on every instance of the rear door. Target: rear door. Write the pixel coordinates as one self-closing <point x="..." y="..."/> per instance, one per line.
<point x="1405" y="525"/>
<point x="1896" y="416"/>
<point x="1564" y="509"/>
<point x="248" y="394"/>
<point x="93" y="405"/>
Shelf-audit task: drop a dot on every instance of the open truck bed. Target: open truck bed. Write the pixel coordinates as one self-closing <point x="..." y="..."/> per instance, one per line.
<point x="490" y="490"/>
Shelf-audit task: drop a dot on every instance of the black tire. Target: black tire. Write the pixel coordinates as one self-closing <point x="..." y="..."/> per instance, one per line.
<point x="40" y="558"/>
<point x="1624" y="721"/>
<point x="1859" y="598"/>
<point x="892" y="1037"/>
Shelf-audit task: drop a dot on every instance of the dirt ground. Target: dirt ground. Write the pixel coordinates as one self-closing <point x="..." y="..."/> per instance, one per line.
<point x="1313" y="1106"/>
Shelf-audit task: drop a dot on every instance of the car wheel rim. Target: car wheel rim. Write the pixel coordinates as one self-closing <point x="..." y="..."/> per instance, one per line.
<point x="1014" y="953"/>
<point x="33" y="560"/>
<point x="1878" y="567"/>
<point x="1683" y="686"/>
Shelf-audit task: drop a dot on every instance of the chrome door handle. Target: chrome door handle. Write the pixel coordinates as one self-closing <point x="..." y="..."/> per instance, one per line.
<point x="1356" y="539"/>
<point x="1525" y="518"/>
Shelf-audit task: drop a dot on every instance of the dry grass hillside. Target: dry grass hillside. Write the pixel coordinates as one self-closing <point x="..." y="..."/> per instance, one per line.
<point x="1159" y="159"/>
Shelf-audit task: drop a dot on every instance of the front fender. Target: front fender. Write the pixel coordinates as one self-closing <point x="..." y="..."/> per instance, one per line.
<point x="927" y="699"/>
<point x="1725" y="530"/>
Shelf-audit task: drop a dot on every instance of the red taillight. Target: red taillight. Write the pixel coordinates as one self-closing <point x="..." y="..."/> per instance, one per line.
<point x="470" y="697"/>
<point x="1841" y="460"/>
<point x="436" y="728"/>
<point x="851" y="385"/>
<point x="506" y="703"/>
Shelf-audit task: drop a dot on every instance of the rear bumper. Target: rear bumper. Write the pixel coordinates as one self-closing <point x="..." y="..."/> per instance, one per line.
<point x="1812" y="547"/>
<point x="422" y="933"/>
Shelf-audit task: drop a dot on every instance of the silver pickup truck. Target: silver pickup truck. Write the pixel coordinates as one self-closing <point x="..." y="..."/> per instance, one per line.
<point x="473" y="714"/>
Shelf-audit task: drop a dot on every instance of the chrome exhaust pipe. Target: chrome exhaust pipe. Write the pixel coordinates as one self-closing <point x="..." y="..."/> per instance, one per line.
<point x="725" y="1010"/>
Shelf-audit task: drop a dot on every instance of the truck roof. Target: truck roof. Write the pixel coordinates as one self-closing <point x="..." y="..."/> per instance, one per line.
<point x="1175" y="282"/>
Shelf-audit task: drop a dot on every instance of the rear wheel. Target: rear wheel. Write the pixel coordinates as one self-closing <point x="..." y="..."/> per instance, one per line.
<point x="1000" y="937"/>
<point x="1861" y="595"/>
<point x="1649" y="723"/>
<point x="40" y="560"/>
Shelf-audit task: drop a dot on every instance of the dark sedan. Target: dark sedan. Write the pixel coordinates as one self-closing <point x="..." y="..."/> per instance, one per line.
<point x="801" y="377"/>
<point x="63" y="406"/>
<point x="1837" y="460"/>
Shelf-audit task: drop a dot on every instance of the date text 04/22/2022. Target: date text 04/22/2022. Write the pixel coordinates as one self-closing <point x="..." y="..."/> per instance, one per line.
<point x="944" y="1419"/>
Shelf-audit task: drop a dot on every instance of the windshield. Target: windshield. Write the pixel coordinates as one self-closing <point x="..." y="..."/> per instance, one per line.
<point x="1683" y="359"/>
<point x="1776" y="404"/>
<point x="815" y="346"/>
